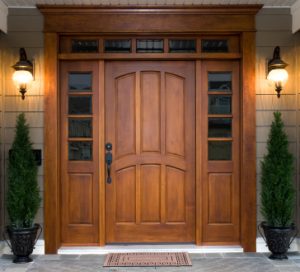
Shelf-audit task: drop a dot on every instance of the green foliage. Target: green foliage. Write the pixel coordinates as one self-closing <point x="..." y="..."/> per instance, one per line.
<point x="23" y="199"/>
<point x="277" y="192"/>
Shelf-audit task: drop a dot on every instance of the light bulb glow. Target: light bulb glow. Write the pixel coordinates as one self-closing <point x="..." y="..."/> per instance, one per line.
<point x="278" y="75"/>
<point x="22" y="77"/>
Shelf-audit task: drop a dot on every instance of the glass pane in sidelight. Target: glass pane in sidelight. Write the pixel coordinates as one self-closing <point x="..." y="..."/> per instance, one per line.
<point x="80" y="128"/>
<point x="80" y="151"/>
<point x="80" y="104"/>
<point x="219" y="151"/>
<point x="219" y="81"/>
<point x="219" y="127"/>
<point x="219" y="104"/>
<point x="80" y="82"/>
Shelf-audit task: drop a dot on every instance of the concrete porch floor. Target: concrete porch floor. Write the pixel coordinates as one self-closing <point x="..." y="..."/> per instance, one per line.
<point x="202" y="262"/>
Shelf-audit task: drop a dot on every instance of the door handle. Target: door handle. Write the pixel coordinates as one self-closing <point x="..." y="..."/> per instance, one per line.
<point x="108" y="161"/>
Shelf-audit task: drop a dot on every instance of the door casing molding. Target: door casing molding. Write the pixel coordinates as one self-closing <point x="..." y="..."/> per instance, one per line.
<point x="181" y="20"/>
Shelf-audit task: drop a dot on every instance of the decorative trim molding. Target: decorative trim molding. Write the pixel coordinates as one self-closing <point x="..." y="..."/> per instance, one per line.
<point x="150" y="9"/>
<point x="215" y="20"/>
<point x="148" y="19"/>
<point x="3" y="16"/>
<point x="295" y="11"/>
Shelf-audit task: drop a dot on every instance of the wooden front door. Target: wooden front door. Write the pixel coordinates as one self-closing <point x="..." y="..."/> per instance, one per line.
<point x="150" y="122"/>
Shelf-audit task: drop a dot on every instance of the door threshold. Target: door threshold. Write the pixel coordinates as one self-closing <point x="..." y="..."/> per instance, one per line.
<point x="189" y="248"/>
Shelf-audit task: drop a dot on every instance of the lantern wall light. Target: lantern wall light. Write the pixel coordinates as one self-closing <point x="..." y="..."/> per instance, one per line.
<point x="276" y="71"/>
<point x="23" y="74"/>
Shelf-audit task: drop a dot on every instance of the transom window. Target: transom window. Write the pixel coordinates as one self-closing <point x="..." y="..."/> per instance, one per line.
<point x="146" y="45"/>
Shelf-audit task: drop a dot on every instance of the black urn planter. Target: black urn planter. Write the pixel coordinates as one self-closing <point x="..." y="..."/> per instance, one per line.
<point x="278" y="239"/>
<point x="22" y="242"/>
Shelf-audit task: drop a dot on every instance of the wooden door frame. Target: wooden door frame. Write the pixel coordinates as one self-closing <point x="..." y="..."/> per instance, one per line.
<point x="155" y="20"/>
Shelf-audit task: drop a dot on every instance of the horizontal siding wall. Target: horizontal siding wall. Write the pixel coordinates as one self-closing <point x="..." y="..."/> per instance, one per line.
<point x="274" y="29"/>
<point x="25" y="29"/>
<point x="3" y="49"/>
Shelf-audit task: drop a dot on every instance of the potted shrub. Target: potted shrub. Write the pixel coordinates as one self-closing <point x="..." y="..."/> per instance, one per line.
<point x="277" y="192"/>
<point x="23" y="199"/>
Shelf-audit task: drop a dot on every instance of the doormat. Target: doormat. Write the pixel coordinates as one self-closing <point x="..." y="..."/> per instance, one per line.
<point x="147" y="259"/>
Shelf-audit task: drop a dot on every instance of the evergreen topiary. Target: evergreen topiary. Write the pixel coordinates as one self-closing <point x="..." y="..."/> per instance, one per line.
<point x="277" y="191"/>
<point x="23" y="199"/>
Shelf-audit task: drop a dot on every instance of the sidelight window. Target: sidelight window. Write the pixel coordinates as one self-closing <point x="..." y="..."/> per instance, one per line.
<point x="219" y="116"/>
<point x="80" y="110"/>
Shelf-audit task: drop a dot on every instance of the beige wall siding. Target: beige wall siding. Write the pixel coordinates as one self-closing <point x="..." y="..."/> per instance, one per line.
<point x="25" y="28"/>
<point x="274" y="28"/>
<point x="3" y="49"/>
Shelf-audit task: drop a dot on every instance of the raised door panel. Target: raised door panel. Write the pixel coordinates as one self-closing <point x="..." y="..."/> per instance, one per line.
<point x="80" y="199"/>
<point x="152" y="195"/>
<point x="175" y="191"/>
<point x="125" y="115"/>
<point x="220" y="198"/>
<point x="125" y="195"/>
<point x="175" y="114"/>
<point x="150" y="112"/>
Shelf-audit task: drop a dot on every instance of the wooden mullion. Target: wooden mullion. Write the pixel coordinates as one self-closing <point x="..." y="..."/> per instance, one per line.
<point x="80" y="93"/>
<point x="80" y="139"/>
<point x="138" y="146"/>
<point x="198" y="45"/>
<point x="80" y="116"/>
<point x="102" y="164"/>
<point x="219" y="93"/>
<point x="215" y="139"/>
<point x="248" y="145"/>
<point x="51" y="149"/>
<point x="163" y="168"/>
<point x="200" y="121"/>
<point x="166" y="45"/>
<point x="101" y="45"/>
<point x="145" y="56"/>
<point x="133" y="45"/>
<point x="220" y="116"/>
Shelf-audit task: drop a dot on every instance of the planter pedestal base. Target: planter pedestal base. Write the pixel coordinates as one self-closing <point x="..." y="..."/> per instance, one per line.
<point x="278" y="256"/>
<point x="22" y="259"/>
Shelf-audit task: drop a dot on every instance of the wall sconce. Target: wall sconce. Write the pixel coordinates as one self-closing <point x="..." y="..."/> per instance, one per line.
<point x="276" y="71"/>
<point x="23" y="74"/>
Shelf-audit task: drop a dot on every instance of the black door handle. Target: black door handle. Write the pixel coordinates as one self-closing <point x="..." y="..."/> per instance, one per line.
<point x="108" y="160"/>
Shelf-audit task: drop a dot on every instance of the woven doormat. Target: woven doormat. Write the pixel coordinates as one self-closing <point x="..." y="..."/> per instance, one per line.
<point x="148" y="259"/>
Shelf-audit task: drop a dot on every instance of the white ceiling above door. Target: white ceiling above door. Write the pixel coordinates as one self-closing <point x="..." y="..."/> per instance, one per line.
<point x="32" y="3"/>
<point x="293" y="4"/>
